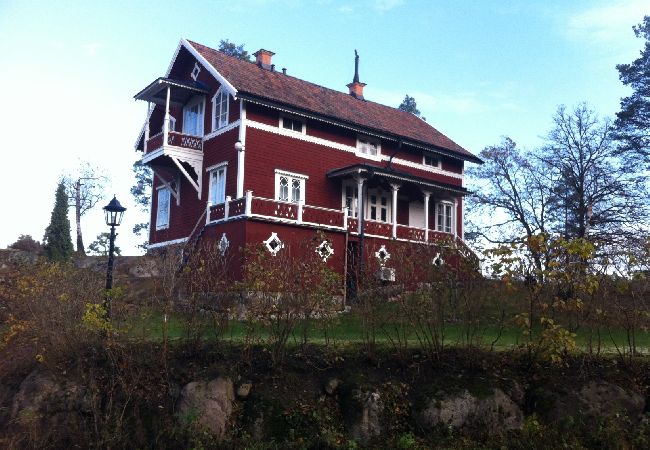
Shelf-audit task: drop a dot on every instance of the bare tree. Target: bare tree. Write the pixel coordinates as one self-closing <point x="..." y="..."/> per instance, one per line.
<point x="512" y="189"/>
<point x="85" y="188"/>
<point x="595" y="195"/>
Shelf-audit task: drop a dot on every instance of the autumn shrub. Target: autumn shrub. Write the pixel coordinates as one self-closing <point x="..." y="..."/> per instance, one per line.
<point x="288" y="288"/>
<point x="52" y="311"/>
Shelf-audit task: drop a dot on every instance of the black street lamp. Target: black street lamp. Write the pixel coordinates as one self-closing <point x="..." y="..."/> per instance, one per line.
<point x="113" y="212"/>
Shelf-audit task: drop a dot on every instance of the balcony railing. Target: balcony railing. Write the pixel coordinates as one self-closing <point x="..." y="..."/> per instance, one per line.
<point x="333" y="219"/>
<point x="175" y="139"/>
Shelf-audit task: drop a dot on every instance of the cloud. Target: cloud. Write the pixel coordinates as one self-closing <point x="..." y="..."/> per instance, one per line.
<point x="607" y="24"/>
<point x="345" y="9"/>
<point x="386" y="5"/>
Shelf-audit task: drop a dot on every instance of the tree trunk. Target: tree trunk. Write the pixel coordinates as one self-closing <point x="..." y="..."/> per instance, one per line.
<point x="80" y="242"/>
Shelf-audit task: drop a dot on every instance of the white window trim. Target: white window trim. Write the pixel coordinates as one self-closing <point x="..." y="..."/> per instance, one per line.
<point x="197" y="100"/>
<point x="294" y="118"/>
<point x="216" y="123"/>
<point x="163" y="226"/>
<point x="437" y="166"/>
<point x="453" y="216"/>
<point x="372" y="140"/>
<point x="214" y="168"/>
<point x="291" y="175"/>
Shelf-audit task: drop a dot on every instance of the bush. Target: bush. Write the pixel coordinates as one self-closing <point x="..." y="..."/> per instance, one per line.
<point x="26" y="243"/>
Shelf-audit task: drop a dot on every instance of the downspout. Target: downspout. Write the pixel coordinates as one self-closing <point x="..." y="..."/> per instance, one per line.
<point x="390" y="160"/>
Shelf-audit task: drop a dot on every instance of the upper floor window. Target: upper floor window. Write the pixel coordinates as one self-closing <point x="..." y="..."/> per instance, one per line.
<point x="290" y="187"/>
<point x="219" y="109"/>
<point x="193" y="117"/>
<point x="367" y="146"/>
<point x="162" y="215"/>
<point x="430" y="160"/>
<point x="292" y="123"/>
<point x="445" y="213"/>
<point x="218" y="184"/>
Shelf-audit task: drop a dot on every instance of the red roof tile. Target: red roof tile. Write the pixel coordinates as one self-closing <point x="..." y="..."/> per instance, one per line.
<point x="249" y="78"/>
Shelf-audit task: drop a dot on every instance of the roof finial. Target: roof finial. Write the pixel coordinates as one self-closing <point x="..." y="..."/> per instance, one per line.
<point x="356" y="67"/>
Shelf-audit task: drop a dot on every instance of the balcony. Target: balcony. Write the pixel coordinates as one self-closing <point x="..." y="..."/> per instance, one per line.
<point x="271" y="210"/>
<point x="174" y="139"/>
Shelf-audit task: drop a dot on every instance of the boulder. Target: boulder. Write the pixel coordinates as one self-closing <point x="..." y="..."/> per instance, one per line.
<point x="244" y="390"/>
<point x="207" y="404"/>
<point x="362" y="409"/>
<point x="331" y="386"/>
<point x="465" y="412"/>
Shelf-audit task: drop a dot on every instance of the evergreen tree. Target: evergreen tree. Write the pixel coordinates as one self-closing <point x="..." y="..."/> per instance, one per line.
<point x="633" y="120"/>
<point x="409" y="105"/>
<point x="232" y="49"/>
<point x="57" y="242"/>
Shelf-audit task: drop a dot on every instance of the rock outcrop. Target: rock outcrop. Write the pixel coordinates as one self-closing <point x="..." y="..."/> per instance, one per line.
<point x="207" y="404"/>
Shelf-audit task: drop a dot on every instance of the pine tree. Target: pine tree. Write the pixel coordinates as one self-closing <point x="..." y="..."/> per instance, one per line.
<point x="409" y="105"/>
<point x="57" y="242"/>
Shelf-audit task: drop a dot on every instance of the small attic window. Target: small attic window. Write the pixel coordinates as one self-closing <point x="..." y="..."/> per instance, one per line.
<point x="196" y="71"/>
<point x="292" y="123"/>
<point x="430" y="160"/>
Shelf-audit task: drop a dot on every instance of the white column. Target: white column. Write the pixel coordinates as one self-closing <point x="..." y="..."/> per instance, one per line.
<point x="300" y="204"/>
<point x="345" y="217"/>
<point x="454" y="217"/>
<point x="426" y="215"/>
<point x="207" y="212"/>
<point x="393" y="208"/>
<point x="359" y="203"/>
<point x="241" y="153"/>
<point x="167" y="119"/>
<point x="226" y="207"/>
<point x="146" y="127"/>
<point x="249" y="202"/>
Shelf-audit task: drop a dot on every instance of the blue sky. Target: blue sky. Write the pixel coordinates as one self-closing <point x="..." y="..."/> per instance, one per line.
<point x="479" y="70"/>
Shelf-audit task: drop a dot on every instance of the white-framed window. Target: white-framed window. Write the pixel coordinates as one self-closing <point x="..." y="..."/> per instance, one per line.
<point x="377" y="204"/>
<point x="368" y="147"/>
<point x="290" y="187"/>
<point x="220" y="109"/>
<point x="292" y="123"/>
<point x="217" y="188"/>
<point x="172" y="123"/>
<point x="445" y="217"/>
<point x="162" y="214"/>
<point x="193" y="116"/>
<point x="431" y="160"/>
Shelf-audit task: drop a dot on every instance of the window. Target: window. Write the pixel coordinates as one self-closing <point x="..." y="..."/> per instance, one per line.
<point x="289" y="187"/>
<point x="350" y="199"/>
<point x="445" y="215"/>
<point x="218" y="184"/>
<point x="219" y="109"/>
<point x="172" y="123"/>
<point x="378" y="208"/>
<point x="162" y="216"/>
<point x="430" y="160"/>
<point x="193" y="117"/>
<point x="292" y="123"/>
<point x="368" y="146"/>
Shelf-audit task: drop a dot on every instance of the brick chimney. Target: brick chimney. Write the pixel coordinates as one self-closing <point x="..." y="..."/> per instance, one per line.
<point x="356" y="88"/>
<point x="263" y="58"/>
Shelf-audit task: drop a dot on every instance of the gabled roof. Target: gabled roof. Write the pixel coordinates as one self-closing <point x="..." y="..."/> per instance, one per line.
<point x="251" y="80"/>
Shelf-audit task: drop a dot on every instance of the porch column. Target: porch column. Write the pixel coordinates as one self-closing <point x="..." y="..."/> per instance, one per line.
<point x="359" y="204"/>
<point x="241" y="154"/>
<point x="395" y="187"/>
<point x="146" y="127"/>
<point x="167" y="119"/>
<point x="426" y="215"/>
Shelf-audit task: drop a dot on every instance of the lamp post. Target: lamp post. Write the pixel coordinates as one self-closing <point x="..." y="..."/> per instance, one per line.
<point x="113" y="213"/>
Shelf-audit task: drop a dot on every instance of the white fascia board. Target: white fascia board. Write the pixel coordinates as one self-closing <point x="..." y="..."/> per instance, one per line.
<point x="204" y="62"/>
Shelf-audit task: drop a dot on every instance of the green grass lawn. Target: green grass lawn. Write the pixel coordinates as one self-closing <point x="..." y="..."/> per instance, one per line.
<point x="347" y="328"/>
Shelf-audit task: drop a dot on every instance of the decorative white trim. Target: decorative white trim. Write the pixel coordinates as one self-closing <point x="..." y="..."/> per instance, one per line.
<point x="216" y="166"/>
<point x="195" y="71"/>
<point x="291" y="174"/>
<point x="346" y="148"/>
<point x="166" y="243"/>
<point x="221" y="130"/>
<point x="325" y="250"/>
<point x="223" y="244"/>
<point x="220" y="78"/>
<point x="382" y="255"/>
<point x="273" y="244"/>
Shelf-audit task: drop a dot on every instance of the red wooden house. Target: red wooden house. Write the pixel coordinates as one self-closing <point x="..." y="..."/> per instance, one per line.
<point x="245" y="153"/>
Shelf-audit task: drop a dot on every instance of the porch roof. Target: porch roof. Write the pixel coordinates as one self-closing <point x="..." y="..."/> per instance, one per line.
<point x="369" y="170"/>
<point x="180" y="93"/>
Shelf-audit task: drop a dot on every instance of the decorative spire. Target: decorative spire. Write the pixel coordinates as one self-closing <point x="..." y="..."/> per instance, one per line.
<point x="356" y="67"/>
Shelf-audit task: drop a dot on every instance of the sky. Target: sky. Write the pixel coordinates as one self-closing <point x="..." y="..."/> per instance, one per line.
<point x="479" y="70"/>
